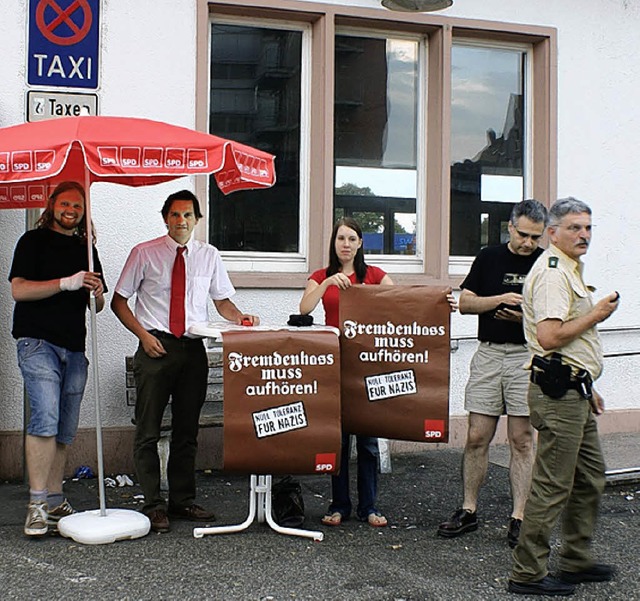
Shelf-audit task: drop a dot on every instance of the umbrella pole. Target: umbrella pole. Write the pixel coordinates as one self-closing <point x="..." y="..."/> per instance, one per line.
<point x="98" y="527"/>
<point x="94" y="348"/>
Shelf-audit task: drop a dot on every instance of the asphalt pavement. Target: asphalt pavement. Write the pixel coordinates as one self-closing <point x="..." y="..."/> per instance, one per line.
<point x="404" y="562"/>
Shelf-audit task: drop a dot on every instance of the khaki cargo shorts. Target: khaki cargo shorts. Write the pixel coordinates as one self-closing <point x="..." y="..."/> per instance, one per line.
<point x="498" y="383"/>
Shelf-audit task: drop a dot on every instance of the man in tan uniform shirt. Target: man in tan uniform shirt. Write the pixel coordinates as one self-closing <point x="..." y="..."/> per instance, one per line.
<point x="560" y="317"/>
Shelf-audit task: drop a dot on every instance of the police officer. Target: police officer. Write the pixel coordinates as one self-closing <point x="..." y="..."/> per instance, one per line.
<point x="560" y="321"/>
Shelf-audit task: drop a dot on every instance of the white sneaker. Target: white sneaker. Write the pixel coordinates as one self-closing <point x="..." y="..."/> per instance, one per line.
<point x="36" y="523"/>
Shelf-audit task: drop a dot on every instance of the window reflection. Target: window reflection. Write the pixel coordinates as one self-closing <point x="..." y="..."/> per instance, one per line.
<point x="383" y="202"/>
<point x="376" y="103"/>
<point x="487" y="140"/>
<point x="256" y="99"/>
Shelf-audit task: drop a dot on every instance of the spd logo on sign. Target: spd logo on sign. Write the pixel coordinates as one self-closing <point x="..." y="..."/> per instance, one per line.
<point x="64" y="43"/>
<point x="434" y="429"/>
<point x="325" y="462"/>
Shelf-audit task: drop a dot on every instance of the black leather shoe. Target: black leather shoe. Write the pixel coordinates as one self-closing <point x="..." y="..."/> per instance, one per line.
<point x="547" y="586"/>
<point x="159" y="521"/>
<point x="513" y="534"/>
<point x="461" y="521"/>
<point x="192" y="512"/>
<point x="598" y="572"/>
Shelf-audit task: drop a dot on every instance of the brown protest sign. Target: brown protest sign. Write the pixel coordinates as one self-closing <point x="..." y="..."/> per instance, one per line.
<point x="281" y="401"/>
<point x="395" y="361"/>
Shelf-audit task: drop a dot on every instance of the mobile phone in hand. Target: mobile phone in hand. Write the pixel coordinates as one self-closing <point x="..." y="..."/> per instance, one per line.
<point x="517" y="308"/>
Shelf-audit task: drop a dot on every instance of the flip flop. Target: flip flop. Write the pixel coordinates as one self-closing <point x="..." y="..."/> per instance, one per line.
<point x="332" y="519"/>
<point x="377" y="520"/>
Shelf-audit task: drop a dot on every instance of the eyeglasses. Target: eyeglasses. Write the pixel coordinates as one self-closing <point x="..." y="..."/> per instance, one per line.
<point x="574" y="228"/>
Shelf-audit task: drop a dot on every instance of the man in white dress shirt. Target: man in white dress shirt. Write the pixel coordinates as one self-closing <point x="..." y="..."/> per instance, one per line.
<point x="169" y="363"/>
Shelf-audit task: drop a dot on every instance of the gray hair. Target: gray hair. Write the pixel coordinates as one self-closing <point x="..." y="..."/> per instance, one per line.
<point x="565" y="206"/>
<point x="532" y="209"/>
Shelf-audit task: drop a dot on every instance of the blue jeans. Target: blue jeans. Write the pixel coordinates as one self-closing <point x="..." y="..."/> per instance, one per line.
<point x="367" y="448"/>
<point x="54" y="378"/>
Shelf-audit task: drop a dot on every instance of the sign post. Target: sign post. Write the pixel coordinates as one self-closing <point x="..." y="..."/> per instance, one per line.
<point x="63" y="51"/>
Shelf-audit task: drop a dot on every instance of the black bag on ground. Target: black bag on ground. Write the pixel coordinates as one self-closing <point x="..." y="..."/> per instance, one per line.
<point x="287" y="503"/>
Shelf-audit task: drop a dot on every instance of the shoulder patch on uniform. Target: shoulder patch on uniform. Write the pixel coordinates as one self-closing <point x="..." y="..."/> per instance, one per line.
<point x="553" y="261"/>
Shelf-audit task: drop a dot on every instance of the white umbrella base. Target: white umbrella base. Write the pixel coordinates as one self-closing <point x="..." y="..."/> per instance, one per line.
<point x="91" y="528"/>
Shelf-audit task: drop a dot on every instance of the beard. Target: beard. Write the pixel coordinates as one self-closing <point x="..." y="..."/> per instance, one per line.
<point x="66" y="224"/>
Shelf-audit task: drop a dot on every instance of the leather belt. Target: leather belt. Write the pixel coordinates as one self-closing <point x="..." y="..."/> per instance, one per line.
<point x="168" y="336"/>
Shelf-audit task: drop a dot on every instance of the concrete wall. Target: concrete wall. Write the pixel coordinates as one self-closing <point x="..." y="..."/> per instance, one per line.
<point x="148" y="69"/>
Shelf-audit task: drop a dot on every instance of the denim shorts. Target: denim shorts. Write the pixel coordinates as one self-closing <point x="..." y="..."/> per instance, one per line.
<point x="54" y="378"/>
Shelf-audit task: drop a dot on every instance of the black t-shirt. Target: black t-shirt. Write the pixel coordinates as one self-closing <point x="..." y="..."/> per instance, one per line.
<point x="40" y="255"/>
<point x="497" y="270"/>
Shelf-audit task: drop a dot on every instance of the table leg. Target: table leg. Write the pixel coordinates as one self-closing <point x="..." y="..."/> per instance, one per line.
<point x="260" y="507"/>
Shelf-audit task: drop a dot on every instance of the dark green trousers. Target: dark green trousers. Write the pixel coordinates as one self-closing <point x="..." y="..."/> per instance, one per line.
<point x="568" y="475"/>
<point x="182" y="375"/>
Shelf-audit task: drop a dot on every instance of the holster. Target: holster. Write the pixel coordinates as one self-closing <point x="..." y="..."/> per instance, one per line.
<point x="555" y="378"/>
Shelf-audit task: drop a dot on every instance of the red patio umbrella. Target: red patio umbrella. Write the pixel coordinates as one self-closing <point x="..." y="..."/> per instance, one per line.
<point x="122" y="150"/>
<point x="36" y="156"/>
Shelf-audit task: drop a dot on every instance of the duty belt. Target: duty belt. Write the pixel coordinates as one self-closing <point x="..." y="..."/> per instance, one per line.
<point x="537" y="377"/>
<point x="554" y="377"/>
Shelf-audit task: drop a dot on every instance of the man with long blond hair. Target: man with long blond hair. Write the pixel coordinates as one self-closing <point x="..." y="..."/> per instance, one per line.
<point x="51" y="284"/>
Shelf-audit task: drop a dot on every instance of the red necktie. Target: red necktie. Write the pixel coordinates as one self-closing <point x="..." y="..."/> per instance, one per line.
<point x="176" y="308"/>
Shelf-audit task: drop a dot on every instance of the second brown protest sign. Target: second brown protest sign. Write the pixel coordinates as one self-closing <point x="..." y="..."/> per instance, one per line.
<point x="395" y="361"/>
<point x="281" y="401"/>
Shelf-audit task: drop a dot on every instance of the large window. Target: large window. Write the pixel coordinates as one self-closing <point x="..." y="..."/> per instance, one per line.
<point x="426" y="130"/>
<point x="375" y="139"/>
<point x="488" y="144"/>
<point x="256" y="99"/>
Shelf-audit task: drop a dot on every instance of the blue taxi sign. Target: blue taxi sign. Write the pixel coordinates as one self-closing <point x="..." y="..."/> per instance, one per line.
<point x="64" y="43"/>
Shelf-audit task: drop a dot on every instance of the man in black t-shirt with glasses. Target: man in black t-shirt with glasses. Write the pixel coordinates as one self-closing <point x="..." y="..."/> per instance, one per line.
<point x="497" y="382"/>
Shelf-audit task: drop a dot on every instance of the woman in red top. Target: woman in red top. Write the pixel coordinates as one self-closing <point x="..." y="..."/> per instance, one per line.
<point x="347" y="267"/>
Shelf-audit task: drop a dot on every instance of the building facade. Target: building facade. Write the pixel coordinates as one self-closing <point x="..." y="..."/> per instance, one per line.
<point x="424" y="126"/>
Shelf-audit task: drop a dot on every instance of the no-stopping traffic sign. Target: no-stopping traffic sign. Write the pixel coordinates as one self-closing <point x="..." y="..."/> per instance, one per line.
<point x="64" y="43"/>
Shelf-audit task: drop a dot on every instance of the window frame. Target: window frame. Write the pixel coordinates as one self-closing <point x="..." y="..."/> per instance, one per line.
<point x="324" y="21"/>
